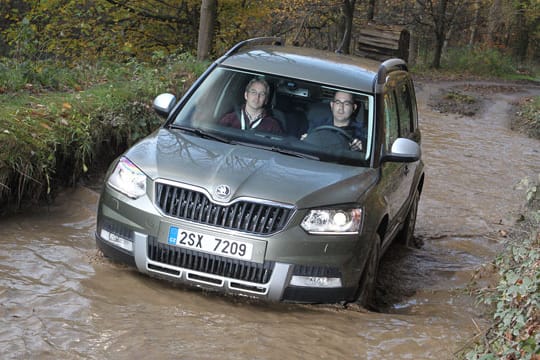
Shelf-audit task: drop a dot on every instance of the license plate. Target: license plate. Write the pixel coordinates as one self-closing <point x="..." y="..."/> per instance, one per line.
<point x="210" y="244"/>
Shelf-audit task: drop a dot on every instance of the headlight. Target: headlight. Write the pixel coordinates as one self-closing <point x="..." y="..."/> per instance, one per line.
<point x="128" y="179"/>
<point x="332" y="221"/>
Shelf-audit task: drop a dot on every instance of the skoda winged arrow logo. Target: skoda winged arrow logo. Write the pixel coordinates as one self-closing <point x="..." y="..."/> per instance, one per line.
<point x="223" y="191"/>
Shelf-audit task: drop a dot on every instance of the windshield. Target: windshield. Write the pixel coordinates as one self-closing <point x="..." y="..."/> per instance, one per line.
<point x="290" y="116"/>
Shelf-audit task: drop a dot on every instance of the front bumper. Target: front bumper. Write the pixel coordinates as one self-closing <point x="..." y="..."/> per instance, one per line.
<point x="269" y="281"/>
<point x="135" y="232"/>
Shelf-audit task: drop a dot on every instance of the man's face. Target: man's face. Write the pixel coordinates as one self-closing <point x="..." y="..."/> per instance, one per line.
<point x="342" y="106"/>
<point x="256" y="96"/>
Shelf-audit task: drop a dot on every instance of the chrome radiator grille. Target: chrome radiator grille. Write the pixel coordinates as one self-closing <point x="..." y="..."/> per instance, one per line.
<point x="243" y="216"/>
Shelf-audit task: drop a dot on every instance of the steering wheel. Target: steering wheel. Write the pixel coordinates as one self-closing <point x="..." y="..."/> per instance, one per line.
<point x="334" y="129"/>
<point x="329" y="136"/>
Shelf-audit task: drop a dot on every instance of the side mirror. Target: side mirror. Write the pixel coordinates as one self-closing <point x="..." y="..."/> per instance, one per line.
<point x="164" y="103"/>
<point x="403" y="150"/>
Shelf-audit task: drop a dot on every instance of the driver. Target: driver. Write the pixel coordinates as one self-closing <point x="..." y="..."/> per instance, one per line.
<point x="343" y="107"/>
<point x="253" y="115"/>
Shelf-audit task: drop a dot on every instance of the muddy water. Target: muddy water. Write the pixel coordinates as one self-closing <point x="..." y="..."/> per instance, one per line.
<point x="58" y="299"/>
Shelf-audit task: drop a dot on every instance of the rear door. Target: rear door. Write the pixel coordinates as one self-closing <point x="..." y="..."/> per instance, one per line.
<point x="400" y="120"/>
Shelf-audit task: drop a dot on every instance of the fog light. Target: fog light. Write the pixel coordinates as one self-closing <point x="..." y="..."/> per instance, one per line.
<point x="312" y="281"/>
<point x="116" y="240"/>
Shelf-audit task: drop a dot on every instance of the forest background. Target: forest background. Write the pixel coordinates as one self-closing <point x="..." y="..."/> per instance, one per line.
<point x="86" y="30"/>
<point x="77" y="78"/>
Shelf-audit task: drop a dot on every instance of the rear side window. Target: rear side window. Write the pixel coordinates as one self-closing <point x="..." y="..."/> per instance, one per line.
<point x="403" y="97"/>
<point x="399" y="109"/>
<point x="391" y="119"/>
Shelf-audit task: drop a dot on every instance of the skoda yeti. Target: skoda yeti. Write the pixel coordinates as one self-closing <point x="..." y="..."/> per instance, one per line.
<point x="296" y="215"/>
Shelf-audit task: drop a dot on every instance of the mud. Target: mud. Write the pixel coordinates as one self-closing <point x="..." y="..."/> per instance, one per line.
<point x="60" y="299"/>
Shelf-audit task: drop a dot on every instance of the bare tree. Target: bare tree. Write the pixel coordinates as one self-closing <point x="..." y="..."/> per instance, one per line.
<point x="439" y="15"/>
<point x="348" y="16"/>
<point x="475" y="23"/>
<point x="371" y="10"/>
<point x="440" y="25"/>
<point x="521" y="44"/>
<point x="495" y="23"/>
<point x="206" y="28"/>
<point x="414" y="44"/>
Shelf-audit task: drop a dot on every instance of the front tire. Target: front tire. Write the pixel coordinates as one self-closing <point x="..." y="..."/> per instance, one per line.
<point x="366" y="289"/>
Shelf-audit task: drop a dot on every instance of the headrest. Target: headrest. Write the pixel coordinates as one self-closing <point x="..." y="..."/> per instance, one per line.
<point x="318" y="110"/>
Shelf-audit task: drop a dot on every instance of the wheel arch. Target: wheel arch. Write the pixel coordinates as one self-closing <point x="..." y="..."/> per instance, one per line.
<point x="383" y="226"/>
<point x="420" y="186"/>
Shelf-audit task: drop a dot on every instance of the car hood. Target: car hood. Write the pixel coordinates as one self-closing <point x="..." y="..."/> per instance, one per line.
<point x="248" y="172"/>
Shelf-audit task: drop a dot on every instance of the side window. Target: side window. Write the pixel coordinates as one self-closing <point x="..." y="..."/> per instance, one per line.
<point x="405" y="109"/>
<point x="391" y="120"/>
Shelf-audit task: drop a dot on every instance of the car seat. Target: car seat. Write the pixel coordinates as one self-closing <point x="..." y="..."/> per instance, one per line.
<point x="317" y="112"/>
<point x="291" y="117"/>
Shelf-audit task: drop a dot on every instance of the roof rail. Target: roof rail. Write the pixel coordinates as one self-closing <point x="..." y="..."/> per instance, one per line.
<point x="255" y="41"/>
<point x="388" y="66"/>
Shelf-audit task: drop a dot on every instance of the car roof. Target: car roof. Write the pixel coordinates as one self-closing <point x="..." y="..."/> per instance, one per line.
<point x="333" y="69"/>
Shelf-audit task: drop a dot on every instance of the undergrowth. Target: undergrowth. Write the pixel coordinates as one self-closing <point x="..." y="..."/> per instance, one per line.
<point x="527" y="117"/>
<point x="476" y="62"/>
<point x="480" y="61"/>
<point x="514" y="301"/>
<point x="59" y="123"/>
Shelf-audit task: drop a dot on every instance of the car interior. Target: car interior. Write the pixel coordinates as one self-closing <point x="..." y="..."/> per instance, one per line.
<point x="294" y="103"/>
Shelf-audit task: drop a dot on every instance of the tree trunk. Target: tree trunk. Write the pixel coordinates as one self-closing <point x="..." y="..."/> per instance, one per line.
<point x="445" y="41"/>
<point x="348" y="14"/>
<point x="436" y="63"/>
<point x="414" y="44"/>
<point x="440" y="33"/>
<point x="522" y="33"/>
<point x="371" y="10"/>
<point x="494" y="23"/>
<point x="206" y="28"/>
<point x="475" y="23"/>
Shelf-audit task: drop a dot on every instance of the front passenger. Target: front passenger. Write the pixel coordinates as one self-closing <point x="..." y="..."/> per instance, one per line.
<point x="253" y="114"/>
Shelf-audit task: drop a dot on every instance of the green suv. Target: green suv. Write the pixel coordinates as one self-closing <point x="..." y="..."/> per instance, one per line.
<point x="249" y="188"/>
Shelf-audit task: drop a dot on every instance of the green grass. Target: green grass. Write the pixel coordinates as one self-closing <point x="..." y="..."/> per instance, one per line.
<point x="527" y="119"/>
<point x="459" y="97"/>
<point x="59" y="122"/>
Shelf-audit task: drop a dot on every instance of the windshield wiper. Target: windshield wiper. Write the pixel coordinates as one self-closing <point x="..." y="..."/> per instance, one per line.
<point x="294" y="153"/>
<point x="201" y="133"/>
<point x="281" y="150"/>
